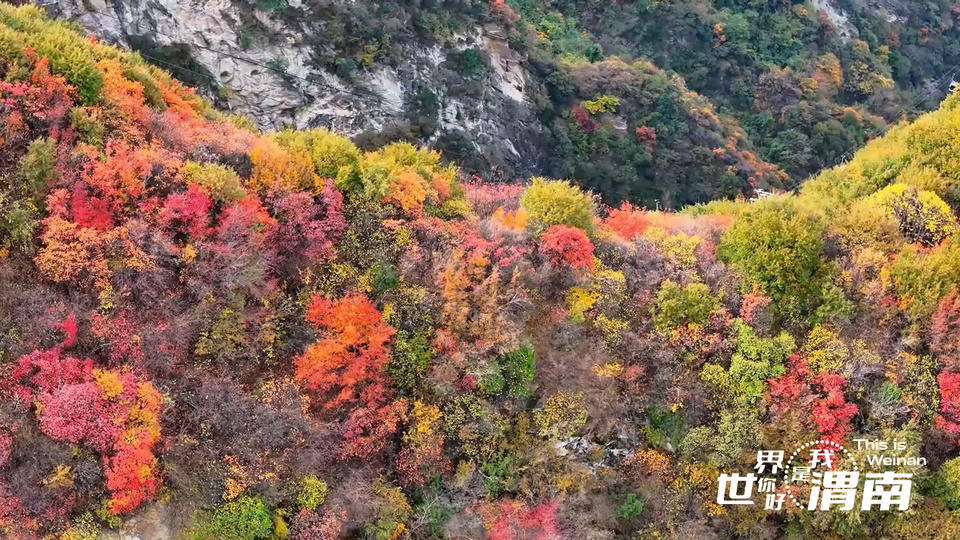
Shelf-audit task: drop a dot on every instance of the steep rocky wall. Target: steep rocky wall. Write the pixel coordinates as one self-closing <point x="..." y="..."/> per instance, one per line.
<point x="276" y="83"/>
<point x="839" y="19"/>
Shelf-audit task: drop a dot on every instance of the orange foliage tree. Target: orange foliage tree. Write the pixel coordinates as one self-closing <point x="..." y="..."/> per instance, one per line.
<point x="346" y="369"/>
<point x="627" y="221"/>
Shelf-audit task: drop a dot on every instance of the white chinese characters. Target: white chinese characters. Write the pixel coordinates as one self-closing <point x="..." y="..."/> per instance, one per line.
<point x="829" y="480"/>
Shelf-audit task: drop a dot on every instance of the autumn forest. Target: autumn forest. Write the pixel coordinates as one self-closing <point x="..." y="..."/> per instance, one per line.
<point x="209" y="331"/>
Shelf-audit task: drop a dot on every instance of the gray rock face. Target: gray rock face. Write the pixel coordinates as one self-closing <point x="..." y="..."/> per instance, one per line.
<point x="276" y="84"/>
<point x="152" y="522"/>
<point x="839" y="19"/>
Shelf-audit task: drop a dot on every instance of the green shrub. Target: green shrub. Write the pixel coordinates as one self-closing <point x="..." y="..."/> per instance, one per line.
<point x="313" y="491"/>
<point x="470" y="62"/>
<point x="220" y="182"/>
<point x="151" y="91"/>
<point x="71" y="60"/>
<point x="603" y="104"/>
<point x="492" y="383"/>
<point x="409" y="362"/>
<point x="87" y="126"/>
<point x="665" y="429"/>
<point x="392" y="515"/>
<point x="773" y="350"/>
<point x="500" y="474"/>
<point x="517" y="367"/>
<point x="455" y="207"/>
<point x="921" y="279"/>
<point x="556" y="202"/>
<point x="562" y="416"/>
<point x="334" y="157"/>
<point x="18" y="224"/>
<point x="279" y="66"/>
<point x="38" y="166"/>
<point x="20" y="203"/>
<point x="272" y="5"/>
<point x="778" y="246"/>
<point x="84" y="527"/>
<point x="946" y="484"/>
<point x="754" y="362"/>
<point x="345" y="67"/>
<point x="888" y="393"/>
<point x="384" y="278"/>
<point x="676" y="306"/>
<point x="434" y="515"/>
<point x="632" y="507"/>
<point x="69" y="51"/>
<point x="738" y="429"/>
<point x="423" y="110"/>
<point x="246" y="518"/>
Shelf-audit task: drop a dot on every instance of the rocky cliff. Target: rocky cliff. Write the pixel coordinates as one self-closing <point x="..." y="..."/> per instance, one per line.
<point x="262" y="63"/>
<point x="600" y="94"/>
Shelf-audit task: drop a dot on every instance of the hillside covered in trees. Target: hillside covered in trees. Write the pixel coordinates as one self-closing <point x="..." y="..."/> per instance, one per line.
<point x="662" y="103"/>
<point x="212" y="332"/>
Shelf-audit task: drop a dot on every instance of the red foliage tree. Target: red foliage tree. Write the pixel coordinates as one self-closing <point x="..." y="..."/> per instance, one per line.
<point x="187" y="213"/>
<point x="486" y="197"/>
<point x="78" y="413"/>
<point x="514" y="520"/>
<point x="647" y="136"/>
<point x="120" y="332"/>
<point x="69" y="328"/>
<point x="582" y="117"/>
<point x="419" y="463"/>
<point x="798" y="396"/>
<point x="949" y="417"/>
<point x="92" y="212"/>
<point x="831" y="413"/>
<point x="326" y="525"/>
<point x="44" y="371"/>
<point x="42" y="102"/>
<point x="6" y="446"/>
<point x="753" y="306"/>
<point x="132" y="469"/>
<point x="111" y="412"/>
<point x="347" y="365"/>
<point x="945" y="332"/>
<point x="120" y="174"/>
<point x="367" y="429"/>
<point x="126" y="97"/>
<point x="238" y="254"/>
<point x="16" y="521"/>
<point x="567" y="246"/>
<point x="627" y="221"/>
<point x="307" y="227"/>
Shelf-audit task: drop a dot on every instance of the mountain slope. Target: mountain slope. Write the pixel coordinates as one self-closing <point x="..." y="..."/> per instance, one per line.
<point x="805" y="84"/>
<point x="222" y="333"/>
<point x="469" y="80"/>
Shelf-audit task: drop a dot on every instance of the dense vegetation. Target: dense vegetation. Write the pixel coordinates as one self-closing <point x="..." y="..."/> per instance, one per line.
<point x="774" y="84"/>
<point x="280" y="336"/>
<point x="806" y="92"/>
<point x="625" y="128"/>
